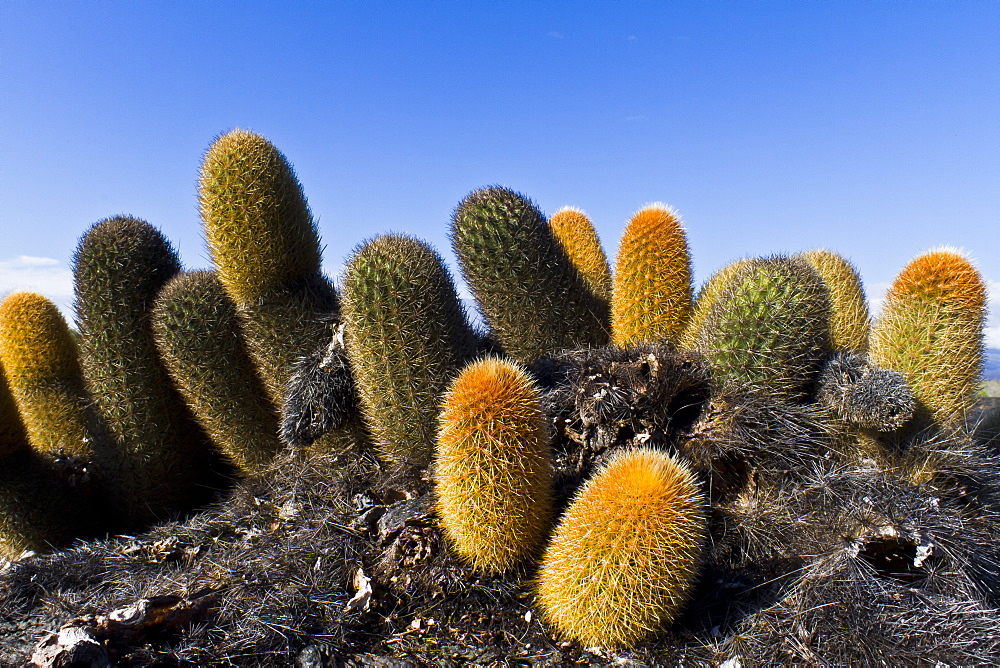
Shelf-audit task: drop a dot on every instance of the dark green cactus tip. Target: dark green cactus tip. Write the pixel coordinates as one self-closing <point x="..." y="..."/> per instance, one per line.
<point x="407" y="337"/>
<point x="198" y="336"/>
<point x="863" y="394"/>
<point x="530" y="294"/>
<point x="155" y="454"/>
<point x="320" y="395"/>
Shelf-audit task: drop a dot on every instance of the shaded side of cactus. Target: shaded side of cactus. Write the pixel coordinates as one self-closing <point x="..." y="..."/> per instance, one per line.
<point x="39" y="510"/>
<point x="624" y="556"/>
<point x="407" y="337"/>
<point x="850" y="323"/>
<point x="864" y="395"/>
<point x="155" y="452"/>
<point x="531" y="296"/>
<point x="266" y="250"/>
<point x="931" y="331"/>
<point x="703" y="303"/>
<point x="13" y="435"/>
<point x="769" y="329"/>
<point x="198" y="335"/>
<point x="41" y="360"/>
<point x="320" y="395"/>
<point x="652" y="284"/>
<point x="493" y="468"/>
<point x="576" y="234"/>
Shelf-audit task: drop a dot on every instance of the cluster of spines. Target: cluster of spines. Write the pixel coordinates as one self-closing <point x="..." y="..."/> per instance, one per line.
<point x="768" y="329"/>
<point x="533" y="298"/>
<point x="624" y="556"/>
<point x="406" y="337"/>
<point x="652" y="282"/>
<point x="198" y="336"/>
<point x="931" y="331"/>
<point x="155" y="453"/>
<point x="492" y="466"/>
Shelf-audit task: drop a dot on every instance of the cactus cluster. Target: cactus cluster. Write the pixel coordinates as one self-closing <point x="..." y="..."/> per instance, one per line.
<point x="609" y="433"/>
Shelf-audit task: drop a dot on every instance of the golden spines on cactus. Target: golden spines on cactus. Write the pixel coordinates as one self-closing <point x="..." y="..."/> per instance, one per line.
<point x="577" y="236"/>
<point x="493" y="467"/>
<point x="652" y="283"/>
<point x="623" y="558"/>
<point x="248" y="191"/>
<point x="41" y="360"/>
<point x="931" y="331"/>
<point x="850" y="323"/>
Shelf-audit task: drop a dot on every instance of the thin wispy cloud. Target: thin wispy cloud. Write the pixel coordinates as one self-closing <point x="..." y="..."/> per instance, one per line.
<point x="44" y="275"/>
<point x="554" y="34"/>
<point x="632" y="119"/>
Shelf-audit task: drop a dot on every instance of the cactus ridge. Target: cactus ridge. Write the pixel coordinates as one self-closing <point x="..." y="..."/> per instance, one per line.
<point x="13" y="434"/>
<point x="623" y="558"/>
<point x="407" y="336"/>
<point x="769" y="329"/>
<point x="576" y="235"/>
<point x="198" y="336"/>
<point x="41" y="360"/>
<point x="154" y="451"/>
<point x="493" y="467"/>
<point x="850" y="322"/>
<point x="529" y="292"/>
<point x="652" y="284"/>
<point x="931" y="331"/>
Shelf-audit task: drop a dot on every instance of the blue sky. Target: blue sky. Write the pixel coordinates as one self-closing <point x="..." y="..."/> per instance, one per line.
<point x="872" y="128"/>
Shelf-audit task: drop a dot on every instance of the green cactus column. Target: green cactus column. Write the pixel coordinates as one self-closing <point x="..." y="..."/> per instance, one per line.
<point x="41" y="359"/>
<point x="266" y="252"/>
<point x="931" y="331"/>
<point x="407" y="337"/>
<point x="155" y="453"/>
<point x="703" y="303"/>
<point x="652" y="283"/>
<point x="769" y="329"/>
<point x="198" y="336"/>
<point x="850" y="323"/>
<point x="531" y="295"/>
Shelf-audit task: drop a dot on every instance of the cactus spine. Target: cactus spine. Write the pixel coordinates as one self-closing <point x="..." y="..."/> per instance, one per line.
<point x="931" y="331"/>
<point x="155" y="451"/>
<point x="769" y="328"/>
<point x="197" y="334"/>
<point x="652" y="284"/>
<point x="493" y="466"/>
<point x="623" y="557"/>
<point x="530" y="294"/>
<point x="41" y="360"/>
<point x="850" y="323"/>
<point x="406" y="337"/>
<point x="576" y="234"/>
<point x="266" y="251"/>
